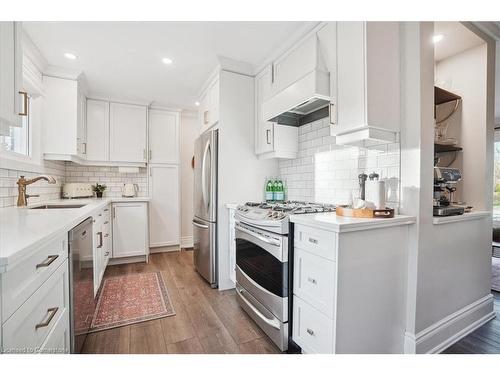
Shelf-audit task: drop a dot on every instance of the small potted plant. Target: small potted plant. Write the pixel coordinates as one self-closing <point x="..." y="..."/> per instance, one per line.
<point x="99" y="189"/>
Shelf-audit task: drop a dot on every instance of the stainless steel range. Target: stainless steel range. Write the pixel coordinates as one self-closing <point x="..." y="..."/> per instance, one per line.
<point x="262" y="266"/>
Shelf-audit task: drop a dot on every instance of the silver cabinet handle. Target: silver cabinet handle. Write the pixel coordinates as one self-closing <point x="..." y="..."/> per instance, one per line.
<point x="53" y="312"/>
<point x="200" y="225"/>
<point x="47" y="262"/>
<point x="268" y="133"/>
<point x="25" y="104"/>
<point x="84" y="144"/>
<point x="100" y="240"/>
<point x="263" y="239"/>
<point x="150" y="154"/>
<point x="114" y="212"/>
<point x="313" y="240"/>
<point x="106" y="235"/>
<point x="144" y="153"/>
<point x="106" y="222"/>
<point x="310" y="331"/>
<point x="106" y="253"/>
<point x="205" y="117"/>
<point x="312" y="281"/>
<point x="333" y="114"/>
<point x="106" y="209"/>
<point x="272" y="322"/>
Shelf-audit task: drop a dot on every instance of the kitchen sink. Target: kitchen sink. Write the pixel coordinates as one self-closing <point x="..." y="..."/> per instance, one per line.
<point x="56" y="206"/>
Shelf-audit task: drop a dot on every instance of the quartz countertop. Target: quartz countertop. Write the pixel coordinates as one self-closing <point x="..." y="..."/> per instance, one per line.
<point x="24" y="230"/>
<point x="331" y="222"/>
<point x="474" y="215"/>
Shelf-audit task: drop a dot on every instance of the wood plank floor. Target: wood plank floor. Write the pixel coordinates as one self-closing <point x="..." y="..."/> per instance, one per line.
<point x="484" y="340"/>
<point x="206" y="320"/>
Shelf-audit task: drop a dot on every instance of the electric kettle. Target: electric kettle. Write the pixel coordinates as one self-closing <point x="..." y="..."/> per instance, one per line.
<point x="129" y="190"/>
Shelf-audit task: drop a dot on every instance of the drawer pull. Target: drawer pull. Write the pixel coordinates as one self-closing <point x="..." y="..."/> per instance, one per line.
<point x="106" y="222"/>
<point x="100" y="240"/>
<point x="106" y="235"/>
<point x="47" y="262"/>
<point x="310" y="331"/>
<point x="106" y="209"/>
<point x="313" y="240"/>
<point x="53" y="312"/>
<point x="106" y="253"/>
<point x="312" y="281"/>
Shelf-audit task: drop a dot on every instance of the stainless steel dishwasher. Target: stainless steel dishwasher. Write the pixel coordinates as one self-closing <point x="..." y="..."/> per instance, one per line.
<point x="81" y="275"/>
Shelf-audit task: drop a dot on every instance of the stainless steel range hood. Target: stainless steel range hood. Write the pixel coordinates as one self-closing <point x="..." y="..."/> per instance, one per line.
<point x="304" y="97"/>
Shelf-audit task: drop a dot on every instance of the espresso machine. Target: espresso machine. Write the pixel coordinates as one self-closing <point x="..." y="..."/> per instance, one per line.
<point x="445" y="181"/>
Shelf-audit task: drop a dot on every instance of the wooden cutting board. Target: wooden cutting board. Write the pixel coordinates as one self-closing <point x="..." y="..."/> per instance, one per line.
<point x="365" y="213"/>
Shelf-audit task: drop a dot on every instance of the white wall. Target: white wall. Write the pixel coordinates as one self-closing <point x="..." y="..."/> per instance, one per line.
<point x="189" y="131"/>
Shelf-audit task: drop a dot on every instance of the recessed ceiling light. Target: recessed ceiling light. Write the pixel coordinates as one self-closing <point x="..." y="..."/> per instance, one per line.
<point x="437" y="38"/>
<point x="166" y="60"/>
<point x="70" y="56"/>
<point x="197" y="103"/>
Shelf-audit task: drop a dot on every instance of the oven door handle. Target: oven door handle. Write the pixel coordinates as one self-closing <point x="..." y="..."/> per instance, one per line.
<point x="272" y="322"/>
<point x="262" y="238"/>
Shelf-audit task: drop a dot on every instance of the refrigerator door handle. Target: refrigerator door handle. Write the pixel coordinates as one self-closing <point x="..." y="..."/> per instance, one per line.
<point x="203" y="175"/>
<point x="196" y="224"/>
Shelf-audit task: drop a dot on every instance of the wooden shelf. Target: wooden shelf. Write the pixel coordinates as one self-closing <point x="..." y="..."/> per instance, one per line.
<point x="442" y="96"/>
<point x="440" y="149"/>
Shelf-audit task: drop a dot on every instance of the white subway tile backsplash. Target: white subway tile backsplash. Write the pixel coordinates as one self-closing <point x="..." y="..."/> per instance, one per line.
<point x="328" y="173"/>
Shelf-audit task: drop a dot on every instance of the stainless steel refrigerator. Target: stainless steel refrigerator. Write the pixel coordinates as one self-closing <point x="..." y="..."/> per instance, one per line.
<point x="205" y="206"/>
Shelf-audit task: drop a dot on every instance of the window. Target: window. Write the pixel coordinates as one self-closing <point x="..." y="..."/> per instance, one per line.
<point x="496" y="193"/>
<point x="19" y="137"/>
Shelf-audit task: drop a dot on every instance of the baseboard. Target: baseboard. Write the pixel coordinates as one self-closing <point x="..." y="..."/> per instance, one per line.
<point x="187" y="242"/>
<point x="164" y="249"/>
<point x="125" y="260"/>
<point x="447" y="331"/>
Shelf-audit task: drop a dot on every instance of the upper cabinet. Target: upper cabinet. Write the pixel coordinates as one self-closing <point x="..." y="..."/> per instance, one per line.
<point x="64" y="119"/>
<point x="367" y="80"/>
<point x="97" y="130"/>
<point x="209" y="106"/>
<point x="163" y="136"/>
<point x="127" y="133"/>
<point x="272" y="140"/>
<point x="11" y="104"/>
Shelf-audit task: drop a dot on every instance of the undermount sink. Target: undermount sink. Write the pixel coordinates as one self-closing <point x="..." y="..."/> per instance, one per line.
<point x="56" y="206"/>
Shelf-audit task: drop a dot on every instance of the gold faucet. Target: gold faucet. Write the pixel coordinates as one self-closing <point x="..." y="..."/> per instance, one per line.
<point x="22" y="199"/>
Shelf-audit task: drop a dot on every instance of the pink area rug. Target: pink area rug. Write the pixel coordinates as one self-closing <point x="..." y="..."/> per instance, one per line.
<point x="131" y="299"/>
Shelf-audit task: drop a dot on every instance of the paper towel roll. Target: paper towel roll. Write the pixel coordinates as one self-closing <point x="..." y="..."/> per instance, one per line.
<point x="375" y="193"/>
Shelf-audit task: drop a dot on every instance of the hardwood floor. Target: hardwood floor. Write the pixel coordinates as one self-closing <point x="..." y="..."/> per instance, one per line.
<point x="206" y="320"/>
<point x="484" y="340"/>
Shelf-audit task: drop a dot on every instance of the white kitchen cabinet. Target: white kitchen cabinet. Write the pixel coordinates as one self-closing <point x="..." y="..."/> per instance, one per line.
<point x="327" y="38"/>
<point x="163" y="136"/>
<point x="127" y="133"/>
<point x="368" y="80"/>
<point x="335" y="265"/>
<point x="272" y="140"/>
<point x="164" y="210"/>
<point x="130" y="229"/>
<point x="102" y="244"/>
<point x="10" y="74"/>
<point x="97" y="137"/>
<point x="209" y="106"/>
<point x="63" y="119"/>
<point x="232" y="242"/>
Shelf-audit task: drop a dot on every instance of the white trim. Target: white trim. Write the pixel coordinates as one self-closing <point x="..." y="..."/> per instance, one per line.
<point x="187" y="242"/>
<point x="164" y="244"/>
<point x="59" y="72"/>
<point x="164" y="249"/>
<point x="126" y="260"/>
<point x="78" y="160"/>
<point x="107" y="98"/>
<point x="19" y="162"/>
<point x="450" y="329"/>
<point x="477" y="215"/>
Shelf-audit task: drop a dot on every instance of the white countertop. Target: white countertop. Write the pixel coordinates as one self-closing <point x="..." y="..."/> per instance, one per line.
<point x="23" y="230"/>
<point x="330" y="221"/>
<point x="474" y="215"/>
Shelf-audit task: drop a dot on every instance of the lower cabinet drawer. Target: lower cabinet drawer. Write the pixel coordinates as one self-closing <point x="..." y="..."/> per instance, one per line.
<point x="314" y="280"/>
<point x="58" y="340"/>
<point x="28" y="328"/>
<point x="312" y="330"/>
<point x="317" y="241"/>
<point x="20" y="282"/>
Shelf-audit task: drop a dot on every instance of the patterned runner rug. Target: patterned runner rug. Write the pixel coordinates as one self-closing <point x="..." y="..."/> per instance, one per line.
<point x="131" y="299"/>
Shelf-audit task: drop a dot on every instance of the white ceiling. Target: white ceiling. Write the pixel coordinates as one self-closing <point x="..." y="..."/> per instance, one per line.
<point x="457" y="38"/>
<point x="123" y="59"/>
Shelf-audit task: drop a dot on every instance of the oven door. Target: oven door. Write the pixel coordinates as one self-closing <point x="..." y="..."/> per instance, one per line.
<point x="262" y="267"/>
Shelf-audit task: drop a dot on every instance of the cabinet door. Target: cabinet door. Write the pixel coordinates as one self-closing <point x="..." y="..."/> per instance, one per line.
<point x="264" y="140"/>
<point x="130" y="226"/>
<point x="81" y="135"/>
<point x="128" y="125"/>
<point x="164" y="205"/>
<point x="98" y="249"/>
<point x="97" y="130"/>
<point x="163" y="136"/>
<point x="10" y="73"/>
<point x="327" y="37"/>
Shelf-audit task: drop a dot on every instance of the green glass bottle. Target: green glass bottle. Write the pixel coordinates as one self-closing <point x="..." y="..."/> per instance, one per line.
<point x="269" y="190"/>
<point x="279" y="193"/>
